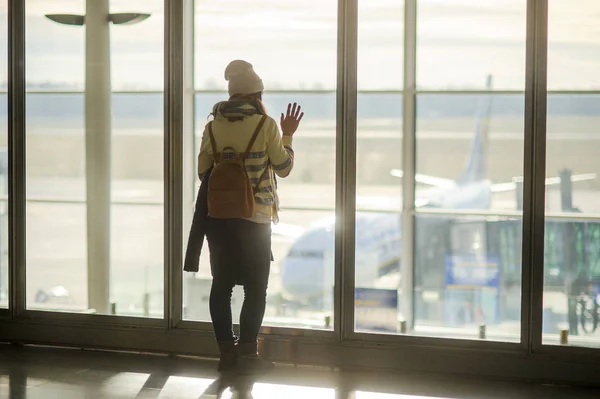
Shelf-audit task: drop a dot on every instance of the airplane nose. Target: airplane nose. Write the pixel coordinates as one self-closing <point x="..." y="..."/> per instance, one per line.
<point x="302" y="278"/>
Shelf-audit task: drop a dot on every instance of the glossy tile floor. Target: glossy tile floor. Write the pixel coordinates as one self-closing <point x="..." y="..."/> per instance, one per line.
<point x="48" y="373"/>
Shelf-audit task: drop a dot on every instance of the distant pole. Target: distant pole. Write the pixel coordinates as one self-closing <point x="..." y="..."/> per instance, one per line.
<point x="569" y="244"/>
<point x="98" y="142"/>
<point x="566" y="190"/>
<point x="519" y="194"/>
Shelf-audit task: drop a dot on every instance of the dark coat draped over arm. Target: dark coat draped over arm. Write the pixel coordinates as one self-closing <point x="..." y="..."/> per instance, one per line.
<point x="198" y="228"/>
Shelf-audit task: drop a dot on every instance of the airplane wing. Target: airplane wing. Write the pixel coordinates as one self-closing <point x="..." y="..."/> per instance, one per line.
<point x="385" y="203"/>
<point x="550" y="181"/>
<point x="504" y="187"/>
<point x="421" y="202"/>
<point x="427" y="179"/>
<point x="378" y="202"/>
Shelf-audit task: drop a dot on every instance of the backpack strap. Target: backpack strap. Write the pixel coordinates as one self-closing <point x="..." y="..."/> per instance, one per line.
<point x="262" y="176"/>
<point x="254" y="136"/>
<point x="213" y="144"/>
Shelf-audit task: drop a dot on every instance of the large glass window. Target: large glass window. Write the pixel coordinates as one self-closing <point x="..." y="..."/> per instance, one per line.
<point x="292" y="47"/>
<point x="3" y="157"/>
<point x="572" y="231"/>
<point x="95" y="157"/>
<point x="466" y="272"/>
<point x="467" y="246"/>
<point x="467" y="264"/>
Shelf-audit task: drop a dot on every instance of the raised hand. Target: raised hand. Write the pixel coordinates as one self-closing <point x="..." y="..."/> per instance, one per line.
<point x="290" y="122"/>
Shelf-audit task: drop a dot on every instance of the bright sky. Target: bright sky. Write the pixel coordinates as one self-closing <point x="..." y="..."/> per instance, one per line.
<point x="292" y="43"/>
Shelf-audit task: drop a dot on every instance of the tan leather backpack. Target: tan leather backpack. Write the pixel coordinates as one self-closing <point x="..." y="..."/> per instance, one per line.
<point x="230" y="192"/>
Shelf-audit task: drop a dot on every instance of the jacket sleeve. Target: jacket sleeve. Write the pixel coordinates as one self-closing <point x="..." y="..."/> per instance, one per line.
<point x="205" y="157"/>
<point x="279" y="150"/>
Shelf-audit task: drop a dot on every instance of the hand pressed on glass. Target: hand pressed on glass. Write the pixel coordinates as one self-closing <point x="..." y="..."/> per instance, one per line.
<point x="290" y="122"/>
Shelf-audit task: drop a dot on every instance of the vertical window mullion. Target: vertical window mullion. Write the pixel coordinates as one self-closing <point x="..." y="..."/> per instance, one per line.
<point x="345" y="167"/>
<point x="16" y="154"/>
<point x="534" y="174"/>
<point x="409" y="116"/>
<point x="173" y="158"/>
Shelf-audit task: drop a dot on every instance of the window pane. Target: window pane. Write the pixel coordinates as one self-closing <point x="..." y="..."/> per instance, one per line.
<point x="467" y="268"/>
<point x="471" y="39"/>
<point x="379" y="151"/>
<point x="378" y="159"/>
<point x="572" y="236"/>
<point x="3" y="157"/>
<point x="295" y="55"/>
<point x="55" y="53"/>
<point x="380" y="44"/>
<point x="291" y="45"/>
<point x="467" y="277"/>
<point x="573" y="45"/>
<point x="79" y="258"/>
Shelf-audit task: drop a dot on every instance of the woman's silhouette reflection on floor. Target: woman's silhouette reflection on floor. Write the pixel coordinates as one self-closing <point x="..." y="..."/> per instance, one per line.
<point x="241" y="387"/>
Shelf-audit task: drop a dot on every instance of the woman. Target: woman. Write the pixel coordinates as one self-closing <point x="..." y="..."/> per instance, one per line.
<point x="240" y="249"/>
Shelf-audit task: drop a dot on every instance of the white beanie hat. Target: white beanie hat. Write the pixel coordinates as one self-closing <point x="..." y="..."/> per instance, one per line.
<point x="242" y="78"/>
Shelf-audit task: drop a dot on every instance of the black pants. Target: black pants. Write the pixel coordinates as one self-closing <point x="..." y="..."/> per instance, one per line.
<point x="240" y="253"/>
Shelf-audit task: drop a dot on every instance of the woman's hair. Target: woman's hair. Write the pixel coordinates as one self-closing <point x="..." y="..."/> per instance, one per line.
<point x="254" y="98"/>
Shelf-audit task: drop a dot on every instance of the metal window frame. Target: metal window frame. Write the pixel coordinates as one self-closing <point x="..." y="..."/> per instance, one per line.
<point x="409" y="93"/>
<point x="20" y="314"/>
<point x="409" y="143"/>
<point x="345" y="172"/>
<point x="16" y="157"/>
<point x="341" y="346"/>
<point x="536" y="203"/>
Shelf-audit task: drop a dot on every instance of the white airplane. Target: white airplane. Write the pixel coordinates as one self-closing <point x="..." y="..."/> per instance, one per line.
<point x="308" y="268"/>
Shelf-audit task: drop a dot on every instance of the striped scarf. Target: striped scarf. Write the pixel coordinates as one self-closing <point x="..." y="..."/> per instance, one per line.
<point x="235" y="110"/>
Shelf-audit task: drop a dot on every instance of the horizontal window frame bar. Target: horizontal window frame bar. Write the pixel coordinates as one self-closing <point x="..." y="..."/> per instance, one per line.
<point x="265" y="330"/>
<point x="58" y="319"/>
<point x="50" y="200"/>
<point x="558" y="351"/>
<point x="441" y="342"/>
<point x="424" y="211"/>
<point x="71" y="92"/>
<point x="549" y="215"/>
<point x="88" y="319"/>
<point x="333" y="91"/>
<point x="509" y="92"/>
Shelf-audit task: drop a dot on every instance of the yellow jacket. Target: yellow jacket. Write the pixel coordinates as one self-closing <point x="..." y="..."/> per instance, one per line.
<point x="269" y="148"/>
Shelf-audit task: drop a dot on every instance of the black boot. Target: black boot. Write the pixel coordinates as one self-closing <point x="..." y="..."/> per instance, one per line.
<point x="248" y="360"/>
<point x="229" y="355"/>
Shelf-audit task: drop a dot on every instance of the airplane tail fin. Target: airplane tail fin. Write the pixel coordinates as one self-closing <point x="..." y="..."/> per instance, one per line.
<point x="475" y="167"/>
